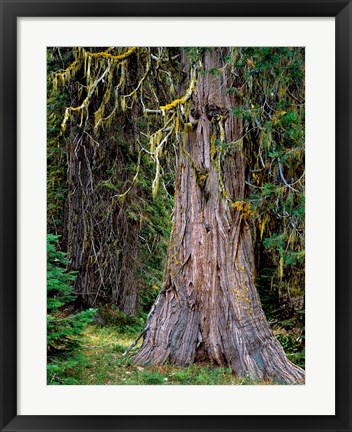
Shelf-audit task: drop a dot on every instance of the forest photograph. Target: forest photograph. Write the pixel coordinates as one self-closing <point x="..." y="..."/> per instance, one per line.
<point x="175" y="215"/>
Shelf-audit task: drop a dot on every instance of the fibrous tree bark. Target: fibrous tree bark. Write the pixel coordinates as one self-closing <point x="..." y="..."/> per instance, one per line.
<point x="97" y="229"/>
<point x="209" y="309"/>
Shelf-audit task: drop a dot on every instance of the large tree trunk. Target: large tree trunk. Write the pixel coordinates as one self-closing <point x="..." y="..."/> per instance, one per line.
<point x="209" y="309"/>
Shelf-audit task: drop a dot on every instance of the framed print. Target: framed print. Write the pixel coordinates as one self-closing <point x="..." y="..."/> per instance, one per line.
<point x="175" y="215"/>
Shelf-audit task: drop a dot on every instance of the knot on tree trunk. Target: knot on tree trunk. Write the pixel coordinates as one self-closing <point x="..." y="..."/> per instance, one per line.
<point x="212" y="111"/>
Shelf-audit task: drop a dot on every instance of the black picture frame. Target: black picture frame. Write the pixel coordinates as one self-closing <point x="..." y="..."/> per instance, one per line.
<point x="10" y="11"/>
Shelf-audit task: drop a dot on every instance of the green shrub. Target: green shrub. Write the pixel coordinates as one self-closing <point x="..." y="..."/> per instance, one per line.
<point x="63" y="326"/>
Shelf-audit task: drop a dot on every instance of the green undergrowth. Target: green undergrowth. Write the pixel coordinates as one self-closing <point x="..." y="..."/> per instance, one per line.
<point x="290" y="333"/>
<point x="100" y="360"/>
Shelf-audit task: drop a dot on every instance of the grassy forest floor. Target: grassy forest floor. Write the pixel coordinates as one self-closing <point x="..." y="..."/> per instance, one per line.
<point x="99" y="360"/>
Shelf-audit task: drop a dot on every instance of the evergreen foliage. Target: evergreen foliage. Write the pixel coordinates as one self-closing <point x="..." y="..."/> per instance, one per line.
<point x="273" y="111"/>
<point x="63" y="326"/>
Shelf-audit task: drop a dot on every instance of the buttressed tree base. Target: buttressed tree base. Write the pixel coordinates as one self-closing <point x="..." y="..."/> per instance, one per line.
<point x="209" y="309"/>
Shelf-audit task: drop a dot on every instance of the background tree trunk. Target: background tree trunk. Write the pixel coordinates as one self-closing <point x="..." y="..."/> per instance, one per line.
<point x="209" y="309"/>
<point x="98" y="231"/>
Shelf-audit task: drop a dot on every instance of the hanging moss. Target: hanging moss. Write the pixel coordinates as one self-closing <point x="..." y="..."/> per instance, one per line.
<point x="107" y="55"/>
<point x="185" y="97"/>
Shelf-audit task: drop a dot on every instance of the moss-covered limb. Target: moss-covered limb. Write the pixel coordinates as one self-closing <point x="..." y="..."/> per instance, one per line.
<point x="99" y="68"/>
<point x="108" y="119"/>
<point x="186" y="96"/>
<point x="118" y="57"/>
<point x="155" y="138"/>
<point x="157" y="154"/>
<point x="85" y="103"/>
<point x="172" y="90"/>
<point x="60" y="78"/>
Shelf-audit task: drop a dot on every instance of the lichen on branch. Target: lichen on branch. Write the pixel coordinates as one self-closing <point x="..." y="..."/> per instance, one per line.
<point x="118" y="57"/>
<point x="186" y="96"/>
